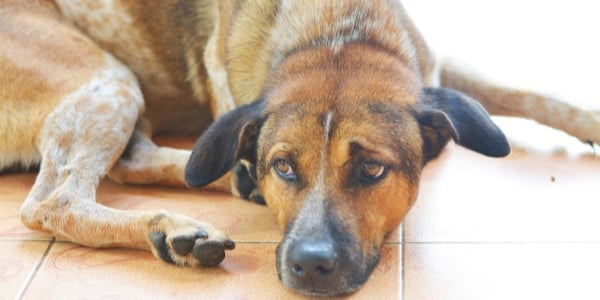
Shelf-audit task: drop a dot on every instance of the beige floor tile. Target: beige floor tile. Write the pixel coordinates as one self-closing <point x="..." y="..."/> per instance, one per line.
<point x="74" y="272"/>
<point x="502" y="271"/>
<point x="243" y="220"/>
<point x="396" y="236"/>
<point x="18" y="260"/>
<point x="466" y="197"/>
<point x="175" y="142"/>
<point x="13" y="191"/>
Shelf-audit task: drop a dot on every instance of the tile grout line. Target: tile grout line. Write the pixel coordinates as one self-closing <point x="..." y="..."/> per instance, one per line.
<point x="24" y="240"/>
<point x="503" y="243"/>
<point x="35" y="270"/>
<point x="402" y="262"/>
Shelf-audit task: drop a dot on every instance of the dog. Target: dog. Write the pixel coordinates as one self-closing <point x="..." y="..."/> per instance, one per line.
<point x="327" y="111"/>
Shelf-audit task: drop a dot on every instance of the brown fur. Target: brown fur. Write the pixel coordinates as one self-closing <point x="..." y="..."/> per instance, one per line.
<point x="324" y="86"/>
<point x="307" y="101"/>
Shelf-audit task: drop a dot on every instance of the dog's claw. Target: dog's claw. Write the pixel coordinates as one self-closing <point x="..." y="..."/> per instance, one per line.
<point x="210" y="253"/>
<point x="229" y="244"/>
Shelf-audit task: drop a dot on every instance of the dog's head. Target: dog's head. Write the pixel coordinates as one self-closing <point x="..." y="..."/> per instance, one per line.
<point x="336" y="147"/>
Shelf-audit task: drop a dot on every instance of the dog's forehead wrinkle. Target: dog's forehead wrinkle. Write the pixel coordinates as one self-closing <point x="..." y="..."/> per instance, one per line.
<point x="387" y="112"/>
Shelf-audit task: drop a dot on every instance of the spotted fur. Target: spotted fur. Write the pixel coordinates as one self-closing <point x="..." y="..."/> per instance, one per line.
<point x="323" y="86"/>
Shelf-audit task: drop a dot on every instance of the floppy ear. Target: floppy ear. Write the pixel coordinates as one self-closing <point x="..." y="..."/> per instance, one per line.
<point x="230" y="138"/>
<point x="444" y="113"/>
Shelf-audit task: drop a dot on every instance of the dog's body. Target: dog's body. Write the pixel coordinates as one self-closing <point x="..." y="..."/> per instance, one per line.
<point x="333" y="127"/>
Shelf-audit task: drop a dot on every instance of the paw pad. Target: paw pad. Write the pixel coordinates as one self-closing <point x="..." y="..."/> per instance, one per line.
<point x="209" y="254"/>
<point x="205" y="252"/>
<point x="184" y="244"/>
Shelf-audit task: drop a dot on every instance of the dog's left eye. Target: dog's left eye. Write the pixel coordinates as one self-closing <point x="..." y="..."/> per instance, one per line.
<point x="284" y="170"/>
<point x="371" y="171"/>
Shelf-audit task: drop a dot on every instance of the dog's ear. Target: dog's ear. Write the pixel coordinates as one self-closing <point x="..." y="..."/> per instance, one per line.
<point x="444" y="113"/>
<point x="230" y="138"/>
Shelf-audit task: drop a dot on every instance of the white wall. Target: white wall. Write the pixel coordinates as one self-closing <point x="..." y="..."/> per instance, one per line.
<point x="551" y="47"/>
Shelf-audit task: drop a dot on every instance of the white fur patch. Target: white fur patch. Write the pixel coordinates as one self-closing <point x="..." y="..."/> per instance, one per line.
<point x="327" y="125"/>
<point x="218" y="77"/>
<point x="109" y="103"/>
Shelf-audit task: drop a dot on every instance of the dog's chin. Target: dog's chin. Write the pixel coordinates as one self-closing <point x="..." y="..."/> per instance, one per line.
<point x="328" y="289"/>
<point x="325" y="293"/>
<point x="331" y="292"/>
<point x="349" y="279"/>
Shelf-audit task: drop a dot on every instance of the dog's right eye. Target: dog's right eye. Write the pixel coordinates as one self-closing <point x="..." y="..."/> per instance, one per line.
<point x="371" y="172"/>
<point x="284" y="170"/>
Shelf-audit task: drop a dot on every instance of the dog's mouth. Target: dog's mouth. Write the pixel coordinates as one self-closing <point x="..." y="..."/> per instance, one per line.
<point x="322" y="267"/>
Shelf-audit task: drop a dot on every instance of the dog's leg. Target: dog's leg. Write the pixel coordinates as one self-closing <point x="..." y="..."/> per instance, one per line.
<point x="80" y="140"/>
<point x="582" y="124"/>
<point x="143" y="162"/>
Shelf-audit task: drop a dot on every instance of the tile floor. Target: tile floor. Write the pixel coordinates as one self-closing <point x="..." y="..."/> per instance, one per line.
<point x="524" y="227"/>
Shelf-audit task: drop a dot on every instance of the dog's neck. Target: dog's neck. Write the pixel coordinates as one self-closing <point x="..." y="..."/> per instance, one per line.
<point x="260" y="42"/>
<point x="336" y="24"/>
<point x="345" y="73"/>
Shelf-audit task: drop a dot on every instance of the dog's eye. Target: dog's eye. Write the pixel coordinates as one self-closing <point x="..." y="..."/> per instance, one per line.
<point x="371" y="171"/>
<point x="284" y="170"/>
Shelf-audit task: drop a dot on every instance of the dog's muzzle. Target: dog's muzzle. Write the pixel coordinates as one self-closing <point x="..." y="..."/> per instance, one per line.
<point x="322" y="267"/>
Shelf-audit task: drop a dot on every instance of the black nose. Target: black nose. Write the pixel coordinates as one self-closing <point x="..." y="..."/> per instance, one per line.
<point x="312" y="259"/>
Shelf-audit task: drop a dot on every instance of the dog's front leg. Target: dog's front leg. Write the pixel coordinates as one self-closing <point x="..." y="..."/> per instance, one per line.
<point x="80" y="140"/>
<point x="143" y="162"/>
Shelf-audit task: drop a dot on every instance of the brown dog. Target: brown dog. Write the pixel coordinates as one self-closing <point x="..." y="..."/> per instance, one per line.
<point x="337" y="113"/>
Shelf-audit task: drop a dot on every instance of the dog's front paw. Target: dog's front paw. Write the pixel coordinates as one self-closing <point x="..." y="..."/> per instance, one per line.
<point x="181" y="240"/>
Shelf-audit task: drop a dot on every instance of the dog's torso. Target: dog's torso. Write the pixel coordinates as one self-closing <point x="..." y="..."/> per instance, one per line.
<point x="163" y="44"/>
<point x="166" y="45"/>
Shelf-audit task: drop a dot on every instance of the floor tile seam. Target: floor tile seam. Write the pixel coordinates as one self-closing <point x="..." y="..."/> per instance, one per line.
<point x="244" y="242"/>
<point x="502" y="243"/>
<point x="394" y="243"/>
<point x="10" y="239"/>
<point x="236" y="241"/>
<point x="35" y="271"/>
<point x="402" y="261"/>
